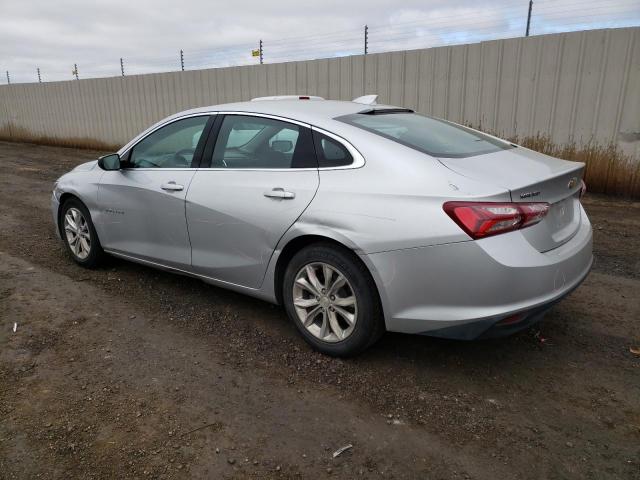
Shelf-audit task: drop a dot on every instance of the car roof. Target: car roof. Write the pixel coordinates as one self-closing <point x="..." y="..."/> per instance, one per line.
<point x="320" y="113"/>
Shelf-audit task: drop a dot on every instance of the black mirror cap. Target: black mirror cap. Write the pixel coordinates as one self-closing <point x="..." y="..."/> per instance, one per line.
<point x="109" y="162"/>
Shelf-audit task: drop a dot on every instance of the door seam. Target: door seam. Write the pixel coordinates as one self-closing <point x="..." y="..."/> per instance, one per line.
<point x="186" y="220"/>
<point x="264" y="275"/>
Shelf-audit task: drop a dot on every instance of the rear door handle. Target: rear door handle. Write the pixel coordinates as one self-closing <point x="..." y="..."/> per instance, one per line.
<point x="280" y="193"/>
<point x="172" y="187"/>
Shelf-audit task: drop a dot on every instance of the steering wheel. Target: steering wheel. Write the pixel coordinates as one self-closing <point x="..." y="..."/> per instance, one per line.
<point x="180" y="160"/>
<point x="144" y="163"/>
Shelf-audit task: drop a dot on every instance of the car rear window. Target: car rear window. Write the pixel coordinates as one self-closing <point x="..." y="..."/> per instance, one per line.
<point x="331" y="153"/>
<point x="432" y="136"/>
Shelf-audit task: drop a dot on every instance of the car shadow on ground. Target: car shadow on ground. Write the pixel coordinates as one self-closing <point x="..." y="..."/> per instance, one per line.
<point x="392" y="347"/>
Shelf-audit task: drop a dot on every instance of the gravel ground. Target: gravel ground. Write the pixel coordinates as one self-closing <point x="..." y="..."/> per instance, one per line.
<point x="129" y="372"/>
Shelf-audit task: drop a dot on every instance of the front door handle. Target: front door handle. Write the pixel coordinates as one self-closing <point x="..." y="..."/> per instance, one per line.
<point x="172" y="187"/>
<point x="280" y="193"/>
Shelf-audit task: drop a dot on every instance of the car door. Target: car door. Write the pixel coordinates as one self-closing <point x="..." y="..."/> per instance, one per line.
<point x="260" y="174"/>
<point x="142" y="205"/>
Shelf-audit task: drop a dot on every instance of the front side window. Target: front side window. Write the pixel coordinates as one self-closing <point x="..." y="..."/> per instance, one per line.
<point x="246" y="141"/>
<point x="432" y="136"/>
<point x="172" y="146"/>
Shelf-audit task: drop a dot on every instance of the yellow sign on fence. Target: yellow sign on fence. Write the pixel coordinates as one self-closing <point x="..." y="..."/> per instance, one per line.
<point x="255" y="53"/>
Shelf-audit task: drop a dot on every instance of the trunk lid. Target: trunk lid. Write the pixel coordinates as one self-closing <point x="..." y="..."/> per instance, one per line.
<point x="532" y="177"/>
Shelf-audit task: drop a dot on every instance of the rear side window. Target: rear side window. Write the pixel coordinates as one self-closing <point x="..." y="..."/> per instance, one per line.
<point x="331" y="153"/>
<point x="246" y="141"/>
<point x="432" y="136"/>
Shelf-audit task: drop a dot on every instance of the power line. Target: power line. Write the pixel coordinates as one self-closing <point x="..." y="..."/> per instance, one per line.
<point x="446" y="20"/>
<point x="309" y="37"/>
<point x="554" y="3"/>
<point x="454" y="25"/>
<point x="480" y="27"/>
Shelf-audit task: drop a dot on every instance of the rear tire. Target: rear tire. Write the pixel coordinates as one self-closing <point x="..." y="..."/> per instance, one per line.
<point x="79" y="235"/>
<point x="332" y="299"/>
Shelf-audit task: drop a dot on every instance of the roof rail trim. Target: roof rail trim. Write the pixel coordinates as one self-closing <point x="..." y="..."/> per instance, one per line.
<point x="287" y="97"/>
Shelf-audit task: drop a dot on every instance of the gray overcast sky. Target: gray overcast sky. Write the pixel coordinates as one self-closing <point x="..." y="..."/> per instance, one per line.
<point x="148" y="34"/>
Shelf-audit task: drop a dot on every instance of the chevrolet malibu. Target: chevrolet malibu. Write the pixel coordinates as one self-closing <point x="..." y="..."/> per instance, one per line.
<point x="358" y="218"/>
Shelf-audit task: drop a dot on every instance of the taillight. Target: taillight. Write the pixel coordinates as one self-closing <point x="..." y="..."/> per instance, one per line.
<point x="483" y="219"/>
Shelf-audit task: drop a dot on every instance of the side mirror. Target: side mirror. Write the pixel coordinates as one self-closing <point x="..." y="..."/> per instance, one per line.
<point x="109" y="162"/>
<point x="282" y="146"/>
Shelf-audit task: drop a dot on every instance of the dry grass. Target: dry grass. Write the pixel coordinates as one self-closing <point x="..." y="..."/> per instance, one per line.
<point x="11" y="133"/>
<point x="608" y="170"/>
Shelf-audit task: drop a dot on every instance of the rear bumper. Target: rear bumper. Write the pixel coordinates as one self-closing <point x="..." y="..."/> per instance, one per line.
<point x="501" y="325"/>
<point x="464" y="290"/>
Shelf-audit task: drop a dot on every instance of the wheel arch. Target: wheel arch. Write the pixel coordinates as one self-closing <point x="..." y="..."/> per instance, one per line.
<point x="66" y="196"/>
<point x="295" y="244"/>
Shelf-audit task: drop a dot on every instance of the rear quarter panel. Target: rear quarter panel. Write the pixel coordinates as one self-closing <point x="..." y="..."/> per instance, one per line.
<point x="395" y="200"/>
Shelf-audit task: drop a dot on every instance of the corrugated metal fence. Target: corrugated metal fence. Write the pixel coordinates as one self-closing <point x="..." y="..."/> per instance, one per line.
<point x="573" y="87"/>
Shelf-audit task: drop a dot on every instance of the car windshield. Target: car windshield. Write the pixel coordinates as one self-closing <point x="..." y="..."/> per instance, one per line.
<point x="432" y="136"/>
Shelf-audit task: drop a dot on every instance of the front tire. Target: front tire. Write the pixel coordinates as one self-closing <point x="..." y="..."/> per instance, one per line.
<point x="332" y="299"/>
<point x="79" y="235"/>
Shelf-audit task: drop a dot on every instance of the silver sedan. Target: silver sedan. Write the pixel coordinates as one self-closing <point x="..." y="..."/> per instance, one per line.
<point x="356" y="217"/>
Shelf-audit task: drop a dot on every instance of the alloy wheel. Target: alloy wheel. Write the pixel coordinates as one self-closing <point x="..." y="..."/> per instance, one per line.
<point x="325" y="302"/>
<point x="76" y="230"/>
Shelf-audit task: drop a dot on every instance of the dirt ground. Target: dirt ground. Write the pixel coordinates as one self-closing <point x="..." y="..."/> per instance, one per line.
<point x="129" y="372"/>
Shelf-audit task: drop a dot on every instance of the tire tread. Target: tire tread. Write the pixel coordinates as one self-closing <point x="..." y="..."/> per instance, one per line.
<point x="369" y="301"/>
<point x="97" y="254"/>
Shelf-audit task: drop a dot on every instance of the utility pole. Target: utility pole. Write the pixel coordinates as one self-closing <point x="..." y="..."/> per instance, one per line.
<point x="366" y="39"/>
<point x="121" y="66"/>
<point x="529" y="18"/>
<point x="8" y="78"/>
<point x="39" y="78"/>
<point x="182" y="60"/>
<point x="75" y="71"/>
<point x="260" y="52"/>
